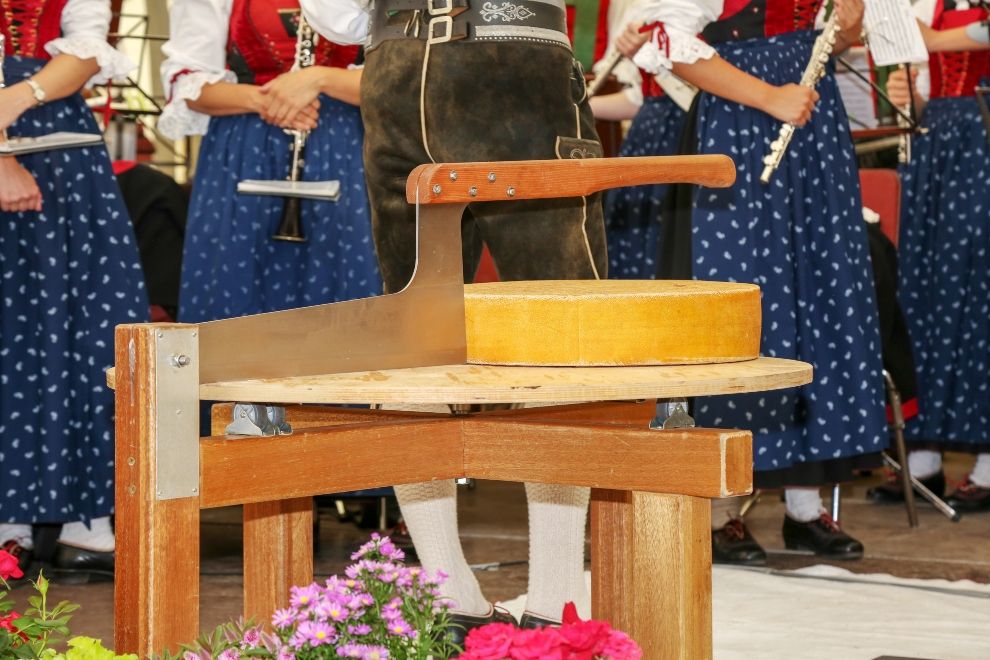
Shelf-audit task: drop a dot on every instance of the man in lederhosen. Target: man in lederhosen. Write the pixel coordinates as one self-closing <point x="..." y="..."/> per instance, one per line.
<point x="465" y="80"/>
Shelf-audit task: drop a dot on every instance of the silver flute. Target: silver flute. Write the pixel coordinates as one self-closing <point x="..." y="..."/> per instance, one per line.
<point x="290" y="225"/>
<point x="3" y="81"/>
<point x="813" y="72"/>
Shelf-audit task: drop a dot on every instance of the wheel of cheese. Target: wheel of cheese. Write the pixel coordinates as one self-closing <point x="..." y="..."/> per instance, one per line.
<point x="611" y="322"/>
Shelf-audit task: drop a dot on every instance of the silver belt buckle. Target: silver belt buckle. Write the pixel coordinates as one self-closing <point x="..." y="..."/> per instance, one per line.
<point x="447" y="22"/>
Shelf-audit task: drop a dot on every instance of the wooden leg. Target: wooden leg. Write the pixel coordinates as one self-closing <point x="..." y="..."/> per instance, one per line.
<point x="651" y="570"/>
<point x="278" y="553"/>
<point x="156" y="590"/>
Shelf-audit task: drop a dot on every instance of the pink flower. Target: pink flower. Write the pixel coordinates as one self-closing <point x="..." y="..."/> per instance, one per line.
<point x="284" y="618"/>
<point x="491" y="642"/>
<point x="303" y="597"/>
<point x="9" y="566"/>
<point x="540" y="644"/>
<point x="229" y="654"/>
<point x="252" y="637"/>
<point x="585" y="639"/>
<point x="619" y="646"/>
<point x="316" y="633"/>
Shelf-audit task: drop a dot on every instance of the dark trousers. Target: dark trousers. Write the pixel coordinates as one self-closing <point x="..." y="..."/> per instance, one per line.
<point x="483" y="102"/>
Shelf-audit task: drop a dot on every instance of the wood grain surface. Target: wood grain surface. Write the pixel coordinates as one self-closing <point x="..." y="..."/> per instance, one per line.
<point x="544" y="179"/>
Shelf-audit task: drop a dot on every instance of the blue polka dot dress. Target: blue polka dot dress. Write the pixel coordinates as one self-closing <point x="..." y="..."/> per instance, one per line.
<point x="231" y="265"/>
<point x="802" y="239"/>
<point x="68" y="275"/>
<point x="945" y="275"/>
<point x="632" y="215"/>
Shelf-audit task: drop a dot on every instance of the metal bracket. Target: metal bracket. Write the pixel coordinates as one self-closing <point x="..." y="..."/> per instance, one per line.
<point x="176" y="430"/>
<point x="672" y="414"/>
<point x="253" y="419"/>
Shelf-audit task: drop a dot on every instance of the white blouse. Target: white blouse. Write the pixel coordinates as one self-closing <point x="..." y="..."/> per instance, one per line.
<point x="85" y="24"/>
<point x="343" y="22"/>
<point x="683" y="20"/>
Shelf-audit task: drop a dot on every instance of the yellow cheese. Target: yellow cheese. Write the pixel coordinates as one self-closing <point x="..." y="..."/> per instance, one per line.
<point x="611" y="322"/>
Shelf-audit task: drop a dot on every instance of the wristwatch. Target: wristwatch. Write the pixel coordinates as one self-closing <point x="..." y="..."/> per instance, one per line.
<point x="38" y="90"/>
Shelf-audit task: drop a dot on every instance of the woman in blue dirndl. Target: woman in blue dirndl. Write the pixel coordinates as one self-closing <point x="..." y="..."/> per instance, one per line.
<point x="632" y="215"/>
<point x="944" y="254"/>
<point x="228" y="72"/>
<point x="801" y="238"/>
<point x="69" y="273"/>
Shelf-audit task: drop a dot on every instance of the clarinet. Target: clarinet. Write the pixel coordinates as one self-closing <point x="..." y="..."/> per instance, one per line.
<point x="813" y="72"/>
<point x="290" y="225"/>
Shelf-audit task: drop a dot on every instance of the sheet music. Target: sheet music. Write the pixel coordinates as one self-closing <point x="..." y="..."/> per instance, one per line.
<point x="893" y="33"/>
<point x="857" y="96"/>
<point x="325" y="190"/>
<point x="16" y="146"/>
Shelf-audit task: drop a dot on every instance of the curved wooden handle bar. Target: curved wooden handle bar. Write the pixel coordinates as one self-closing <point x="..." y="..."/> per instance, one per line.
<point x="449" y="183"/>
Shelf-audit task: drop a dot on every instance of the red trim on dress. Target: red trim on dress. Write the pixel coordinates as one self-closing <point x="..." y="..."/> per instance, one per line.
<point x="956" y="74"/>
<point x="30" y="24"/>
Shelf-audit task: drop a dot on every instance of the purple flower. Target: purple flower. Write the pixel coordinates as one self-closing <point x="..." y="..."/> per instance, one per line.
<point x="252" y="637"/>
<point x="374" y="653"/>
<point x="303" y="597"/>
<point x="349" y="651"/>
<point x="285" y="654"/>
<point x="316" y="633"/>
<point x="359" y="630"/>
<point x="388" y="549"/>
<point x="333" y="610"/>
<point x="284" y="618"/>
<point x="399" y="628"/>
<point x="229" y="654"/>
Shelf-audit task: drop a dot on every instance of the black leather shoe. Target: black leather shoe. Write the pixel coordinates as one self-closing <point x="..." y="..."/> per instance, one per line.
<point x="81" y="565"/>
<point x="891" y="491"/>
<point x="459" y="625"/>
<point x="823" y="536"/>
<point x="733" y="544"/>
<point x="532" y="621"/>
<point x="21" y="554"/>
<point x="969" y="497"/>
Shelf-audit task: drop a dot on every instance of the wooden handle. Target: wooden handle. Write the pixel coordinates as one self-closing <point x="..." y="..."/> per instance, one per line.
<point x="449" y="183"/>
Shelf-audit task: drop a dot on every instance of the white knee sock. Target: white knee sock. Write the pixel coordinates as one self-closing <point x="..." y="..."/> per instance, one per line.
<point x="557" y="517"/>
<point x="981" y="471"/>
<point x="430" y="512"/>
<point x="804" y="504"/>
<point x="98" y="537"/>
<point x="924" y="463"/>
<point x="16" y="532"/>
<point x="725" y="509"/>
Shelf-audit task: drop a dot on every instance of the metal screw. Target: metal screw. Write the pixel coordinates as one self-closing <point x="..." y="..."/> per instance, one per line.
<point x="160" y="334"/>
<point x="131" y="489"/>
<point x="453" y="175"/>
<point x="131" y="461"/>
<point x="194" y="333"/>
<point x="436" y="188"/>
<point x="195" y="490"/>
<point x="491" y="177"/>
<point x="181" y="360"/>
<point x="178" y="411"/>
<point x="511" y="192"/>
<point x="473" y="191"/>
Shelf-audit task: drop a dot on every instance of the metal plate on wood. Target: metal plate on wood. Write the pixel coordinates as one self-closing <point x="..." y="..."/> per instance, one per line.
<point x="177" y="404"/>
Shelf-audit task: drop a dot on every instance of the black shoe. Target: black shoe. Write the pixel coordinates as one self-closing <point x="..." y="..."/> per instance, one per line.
<point x="459" y="625"/>
<point x="733" y="544"/>
<point x="532" y="621"/>
<point x="823" y="536"/>
<point x="21" y="554"/>
<point x="82" y="565"/>
<point x="969" y="497"/>
<point x="891" y="491"/>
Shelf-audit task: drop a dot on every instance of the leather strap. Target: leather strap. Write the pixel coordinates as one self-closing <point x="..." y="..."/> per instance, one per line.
<point x="443" y="21"/>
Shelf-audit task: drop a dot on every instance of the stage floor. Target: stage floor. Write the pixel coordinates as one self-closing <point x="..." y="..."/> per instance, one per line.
<point x="493" y="526"/>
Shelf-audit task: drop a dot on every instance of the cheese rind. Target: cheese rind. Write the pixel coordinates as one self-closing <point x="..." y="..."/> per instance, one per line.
<point x="611" y="322"/>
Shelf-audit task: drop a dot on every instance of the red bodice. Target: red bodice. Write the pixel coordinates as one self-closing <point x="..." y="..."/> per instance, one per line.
<point x="30" y="24"/>
<point x="956" y="74"/>
<point x="753" y="19"/>
<point x="262" y="41"/>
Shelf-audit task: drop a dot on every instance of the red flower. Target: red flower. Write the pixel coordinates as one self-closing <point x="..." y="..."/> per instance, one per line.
<point x="538" y="644"/>
<point x="585" y="639"/>
<point x="7" y="623"/>
<point x="620" y="647"/>
<point x="489" y="642"/>
<point x="9" y="566"/>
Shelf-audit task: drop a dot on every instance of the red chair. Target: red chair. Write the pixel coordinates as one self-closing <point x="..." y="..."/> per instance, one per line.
<point x="881" y="191"/>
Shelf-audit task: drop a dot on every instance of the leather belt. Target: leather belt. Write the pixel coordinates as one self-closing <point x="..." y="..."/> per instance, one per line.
<point x="444" y="21"/>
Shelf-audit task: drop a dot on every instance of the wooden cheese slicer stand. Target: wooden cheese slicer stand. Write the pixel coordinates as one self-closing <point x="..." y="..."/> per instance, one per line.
<point x="651" y="553"/>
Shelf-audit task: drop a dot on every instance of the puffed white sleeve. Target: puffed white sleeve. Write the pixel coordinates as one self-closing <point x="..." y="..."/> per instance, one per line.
<point x="85" y="24"/>
<point x="343" y="22"/>
<point x="675" y="38"/>
<point x="621" y="12"/>
<point x="196" y="55"/>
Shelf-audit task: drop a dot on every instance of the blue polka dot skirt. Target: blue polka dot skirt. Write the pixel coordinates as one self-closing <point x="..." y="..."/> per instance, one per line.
<point x="945" y="275"/>
<point x="802" y="239"/>
<point x="231" y="265"/>
<point x="632" y="215"/>
<point x="68" y="275"/>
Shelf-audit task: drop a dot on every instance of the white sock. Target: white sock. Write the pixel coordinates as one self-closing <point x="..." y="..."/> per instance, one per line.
<point x="430" y="512"/>
<point x="15" y="532"/>
<point x="557" y="516"/>
<point x="804" y="504"/>
<point x="725" y="509"/>
<point x="98" y="537"/>
<point x="981" y="471"/>
<point x="924" y="463"/>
